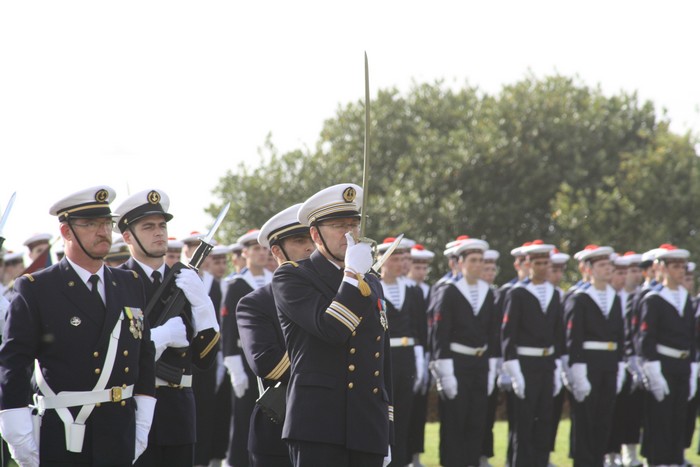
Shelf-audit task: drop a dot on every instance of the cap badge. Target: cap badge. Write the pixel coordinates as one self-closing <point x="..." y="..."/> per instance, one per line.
<point x="153" y="197"/>
<point x="75" y="321"/>
<point x="101" y="196"/>
<point x="349" y="194"/>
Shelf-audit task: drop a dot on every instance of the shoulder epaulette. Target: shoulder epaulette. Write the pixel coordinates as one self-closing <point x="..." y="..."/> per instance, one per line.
<point x="29" y="276"/>
<point x="293" y="263"/>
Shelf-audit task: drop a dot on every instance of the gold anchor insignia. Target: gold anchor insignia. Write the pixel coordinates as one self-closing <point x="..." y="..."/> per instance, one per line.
<point x="101" y="196"/>
<point x="349" y="194"/>
<point x="153" y="197"/>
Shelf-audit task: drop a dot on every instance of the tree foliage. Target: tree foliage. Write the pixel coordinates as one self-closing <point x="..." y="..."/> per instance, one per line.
<point x="546" y="158"/>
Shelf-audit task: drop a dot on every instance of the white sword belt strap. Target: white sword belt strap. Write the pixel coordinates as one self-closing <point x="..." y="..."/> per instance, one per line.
<point x="75" y="429"/>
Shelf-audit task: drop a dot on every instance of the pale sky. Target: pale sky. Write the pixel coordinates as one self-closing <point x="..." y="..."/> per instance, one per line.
<point x="172" y="94"/>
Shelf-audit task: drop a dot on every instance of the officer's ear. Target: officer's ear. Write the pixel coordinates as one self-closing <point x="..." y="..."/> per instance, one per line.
<point x="315" y="235"/>
<point x="66" y="231"/>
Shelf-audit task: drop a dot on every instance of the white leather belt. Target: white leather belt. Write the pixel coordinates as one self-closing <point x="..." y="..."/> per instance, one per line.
<point x="599" y="345"/>
<point x="671" y="352"/>
<point x="185" y="382"/>
<point x="80" y="398"/>
<point x="401" y="341"/>
<point x="466" y="350"/>
<point x="535" y="351"/>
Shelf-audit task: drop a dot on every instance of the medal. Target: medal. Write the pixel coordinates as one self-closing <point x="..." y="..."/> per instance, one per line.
<point x="381" y="305"/>
<point x="133" y="323"/>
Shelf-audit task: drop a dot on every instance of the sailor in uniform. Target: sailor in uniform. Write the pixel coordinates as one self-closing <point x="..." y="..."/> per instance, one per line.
<point x="262" y="339"/>
<point x="182" y="342"/>
<point x="80" y="326"/>
<point x="333" y="315"/>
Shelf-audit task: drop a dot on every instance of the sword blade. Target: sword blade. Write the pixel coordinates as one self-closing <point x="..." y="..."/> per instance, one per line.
<point x="217" y="223"/>
<point x="5" y="214"/>
<point x="365" y="168"/>
<point x="378" y="264"/>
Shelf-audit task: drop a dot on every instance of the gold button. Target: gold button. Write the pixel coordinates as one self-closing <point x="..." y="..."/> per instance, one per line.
<point x="95" y="354"/>
<point x="350" y="385"/>
<point x="353" y="350"/>
<point x="126" y="370"/>
<point x="379" y="338"/>
<point x="124" y="386"/>
<point x="123" y="403"/>
<point x="375" y="390"/>
<point x="376" y="373"/>
<point x="126" y="353"/>
<point x="98" y="405"/>
<point x="201" y="337"/>
<point x="354" y="333"/>
<point x="376" y="354"/>
<point x="97" y="371"/>
<point x="183" y="354"/>
<point x="351" y="367"/>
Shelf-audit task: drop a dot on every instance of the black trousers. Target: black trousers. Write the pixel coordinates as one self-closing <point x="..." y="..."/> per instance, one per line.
<point x="487" y="444"/>
<point x="309" y="454"/>
<point x="532" y="418"/>
<point x="557" y="407"/>
<point x="265" y="460"/>
<point x="181" y="455"/>
<point x="592" y="423"/>
<point x="462" y="420"/>
<point x="403" y="374"/>
<point x="627" y="418"/>
<point x="665" y="421"/>
<point x="241" y="410"/>
<point x="416" y="429"/>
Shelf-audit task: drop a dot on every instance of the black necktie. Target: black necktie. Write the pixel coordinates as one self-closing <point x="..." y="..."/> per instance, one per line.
<point x="94" y="280"/>
<point x="156" y="279"/>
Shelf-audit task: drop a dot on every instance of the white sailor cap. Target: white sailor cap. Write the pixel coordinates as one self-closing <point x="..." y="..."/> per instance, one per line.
<point x="139" y="205"/>
<point x="471" y="245"/>
<point x="84" y="204"/>
<point x="220" y="250"/>
<point x="13" y="257"/>
<point x="282" y="225"/>
<point x="60" y="249"/>
<point x="690" y="267"/>
<point x="451" y="247"/>
<point x="557" y="257"/>
<point x="37" y="238"/>
<point x="335" y="202"/>
<point x="633" y="259"/>
<point x="518" y="251"/>
<point x="537" y="247"/>
<point x="668" y="251"/>
<point x="491" y="256"/>
<point x="174" y="244"/>
<point x="195" y="237"/>
<point x="235" y="247"/>
<point x="404" y="245"/>
<point x="595" y="252"/>
<point x="619" y="261"/>
<point x="419" y="253"/>
<point x="249" y="238"/>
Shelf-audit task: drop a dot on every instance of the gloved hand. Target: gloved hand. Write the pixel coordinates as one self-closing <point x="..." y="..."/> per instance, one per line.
<point x="634" y="367"/>
<point x="387" y="458"/>
<point x="420" y="363"/>
<point x="358" y="256"/>
<point x="239" y="378"/>
<point x="203" y="313"/>
<point x="491" y="378"/>
<point x="557" y="377"/>
<point x="145" y="407"/>
<point x="621" y="371"/>
<point x="657" y="383"/>
<point x="172" y="333"/>
<point x="693" y="380"/>
<point x="512" y="369"/>
<point x="444" y="372"/>
<point x="566" y="377"/>
<point x="426" y="374"/>
<point x="580" y="386"/>
<point x="503" y="380"/>
<point x="16" y="428"/>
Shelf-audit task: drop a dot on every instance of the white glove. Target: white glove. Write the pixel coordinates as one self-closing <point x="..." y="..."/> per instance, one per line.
<point x="145" y="407"/>
<point x="634" y="366"/>
<point x="557" y="377"/>
<point x="16" y="428"/>
<point x="358" y="256"/>
<point x="512" y="369"/>
<point x="693" y="380"/>
<point x="203" y="313"/>
<point x="657" y="383"/>
<point x="172" y="333"/>
<point x="580" y="386"/>
<point x="621" y="370"/>
<point x="420" y="363"/>
<point x="444" y="372"/>
<point x="566" y="372"/>
<point x="503" y="380"/>
<point x="426" y="374"/>
<point x="491" y="378"/>
<point x="239" y="378"/>
<point x="387" y="458"/>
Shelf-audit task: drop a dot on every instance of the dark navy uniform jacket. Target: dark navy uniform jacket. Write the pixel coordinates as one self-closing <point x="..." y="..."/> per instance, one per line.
<point x="661" y="323"/>
<point x="263" y="344"/>
<point x="340" y="385"/>
<point x="586" y="322"/>
<point x="410" y="320"/>
<point x="55" y="319"/>
<point x="174" y="418"/>
<point x="455" y="321"/>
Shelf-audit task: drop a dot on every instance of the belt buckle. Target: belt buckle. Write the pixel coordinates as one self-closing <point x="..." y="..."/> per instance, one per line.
<point x="479" y="352"/>
<point x="545" y="352"/>
<point x="611" y="346"/>
<point x="174" y="385"/>
<point x="116" y="394"/>
<point x="404" y="341"/>
<point x="684" y="354"/>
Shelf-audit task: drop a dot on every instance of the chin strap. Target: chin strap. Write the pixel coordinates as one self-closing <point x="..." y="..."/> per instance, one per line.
<point x="150" y="255"/>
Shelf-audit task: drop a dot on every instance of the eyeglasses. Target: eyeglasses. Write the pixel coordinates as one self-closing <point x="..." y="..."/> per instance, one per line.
<point x="345" y="226"/>
<point x="94" y="226"/>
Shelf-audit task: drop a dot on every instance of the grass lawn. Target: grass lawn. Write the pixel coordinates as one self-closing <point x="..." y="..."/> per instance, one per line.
<point x="560" y="457"/>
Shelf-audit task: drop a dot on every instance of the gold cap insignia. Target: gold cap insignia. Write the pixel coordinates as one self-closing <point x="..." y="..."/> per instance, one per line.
<point x="349" y="194"/>
<point x="153" y="197"/>
<point x="101" y="196"/>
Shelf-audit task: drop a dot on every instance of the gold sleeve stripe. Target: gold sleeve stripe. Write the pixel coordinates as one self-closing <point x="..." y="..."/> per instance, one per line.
<point x="211" y="345"/>
<point x="279" y="370"/>
<point x="341" y="309"/>
<point x="341" y="318"/>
